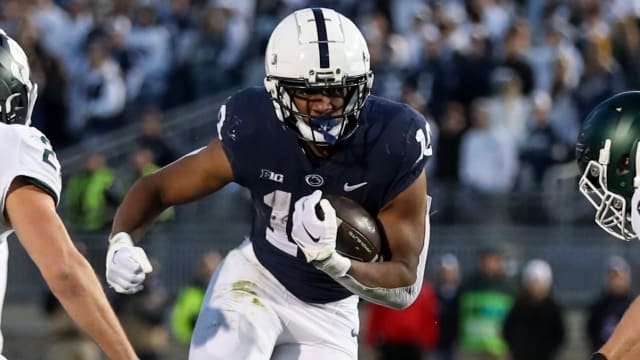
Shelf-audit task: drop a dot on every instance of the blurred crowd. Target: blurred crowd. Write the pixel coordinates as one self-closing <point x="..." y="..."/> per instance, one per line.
<point x="495" y="311"/>
<point x="505" y="81"/>
<point x="505" y="85"/>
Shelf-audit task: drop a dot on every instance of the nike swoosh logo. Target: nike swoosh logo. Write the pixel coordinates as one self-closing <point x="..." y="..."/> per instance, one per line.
<point x="349" y="188"/>
<point x="315" y="239"/>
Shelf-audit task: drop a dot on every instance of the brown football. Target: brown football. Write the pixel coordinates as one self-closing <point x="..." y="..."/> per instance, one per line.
<point x="359" y="234"/>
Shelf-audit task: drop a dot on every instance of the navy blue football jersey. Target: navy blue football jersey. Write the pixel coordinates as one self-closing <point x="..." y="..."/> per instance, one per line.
<point x="381" y="159"/>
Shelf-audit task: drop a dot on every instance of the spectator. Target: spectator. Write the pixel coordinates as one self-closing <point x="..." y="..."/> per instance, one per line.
<point x="474" y="67"/>
<point x="215" y="53"/>
<point x="404" y="334"/>
<point x="141" y="163"/>
<point x="189" y="300"/>
<point x="564" y="113"/>
<point x="180" y="18"/>
<point x="89" y="197"/>
<point x="508" y="107"/>
<point x="448" y="294"/>
<point x="149" y="43"/>
<point x="153" y="139"/>
<point x="436" y="72"/>
<point x="485" y="300"/>
<point x="607" y="309"/>
<point x="602" y="76"/>
<point x="54" y="23"/>
<point x="534" y="329"/>
<point x="452" y="126"/>
<point x="50" y="112"/>
<point x="542" y="147"/>
<point x="517" y="43"/>
<point x="496" y="172"/>
<point x="99" y="96"/>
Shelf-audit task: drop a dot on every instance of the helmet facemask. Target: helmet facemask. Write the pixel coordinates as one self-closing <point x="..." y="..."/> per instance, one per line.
<point x="323" y="130"/>
<point x="612" y="210"/>
<point x="17" y="107"/>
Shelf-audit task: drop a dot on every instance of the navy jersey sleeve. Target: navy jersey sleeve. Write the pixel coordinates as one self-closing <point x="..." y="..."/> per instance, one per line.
<point x="237" y="132"/>
<point x="411" y="153"/>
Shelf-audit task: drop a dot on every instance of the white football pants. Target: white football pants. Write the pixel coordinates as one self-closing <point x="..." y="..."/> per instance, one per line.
<point x="248" y="315"/>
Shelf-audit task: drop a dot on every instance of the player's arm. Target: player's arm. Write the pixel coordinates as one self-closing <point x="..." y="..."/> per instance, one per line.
<point x="32" y="214"/>
<point x="403" y="220"/>
<point x="193" y="176"/>
<point x="395" y="283"/>
<point x="624" y="343"/>
<point x="189" y="178"/>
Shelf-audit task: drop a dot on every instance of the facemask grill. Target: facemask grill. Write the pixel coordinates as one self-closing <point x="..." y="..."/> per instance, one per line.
<point x="324" y="129"/>
<point x="611" y="208"/>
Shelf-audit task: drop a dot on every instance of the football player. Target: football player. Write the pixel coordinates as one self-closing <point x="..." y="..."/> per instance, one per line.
<point x="311" y="130"/>
<point x="609" y="160"/>
<point x="29" y="191"/>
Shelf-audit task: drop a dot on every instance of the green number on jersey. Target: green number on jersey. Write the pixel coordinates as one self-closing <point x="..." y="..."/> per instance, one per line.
<point x="48" y="154"/>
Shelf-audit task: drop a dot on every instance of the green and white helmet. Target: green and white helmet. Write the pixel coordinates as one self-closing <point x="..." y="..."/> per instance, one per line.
<point x="609" y="160"/>
<point x="17" y="93"/>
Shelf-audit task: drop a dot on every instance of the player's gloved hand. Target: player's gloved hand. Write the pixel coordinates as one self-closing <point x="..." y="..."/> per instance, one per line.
<point x="314" y="231"/>
<point x="598" y="356"/>
<point x="127" y="265"/>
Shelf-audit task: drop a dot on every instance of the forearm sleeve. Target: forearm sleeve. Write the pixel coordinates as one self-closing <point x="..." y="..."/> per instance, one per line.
<point x="396" y="298"/>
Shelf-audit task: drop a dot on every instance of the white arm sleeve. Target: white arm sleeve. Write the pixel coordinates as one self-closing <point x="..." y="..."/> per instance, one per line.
<point x="396" y="298"/>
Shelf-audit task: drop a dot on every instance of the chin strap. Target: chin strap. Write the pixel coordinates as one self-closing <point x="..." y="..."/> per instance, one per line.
<point x="324" y="125"/>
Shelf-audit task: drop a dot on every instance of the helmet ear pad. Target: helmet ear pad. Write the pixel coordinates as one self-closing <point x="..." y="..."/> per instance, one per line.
<point x="14" y="105"/>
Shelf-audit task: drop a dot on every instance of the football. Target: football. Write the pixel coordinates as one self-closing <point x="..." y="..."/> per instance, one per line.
<point x="359" y="234"/>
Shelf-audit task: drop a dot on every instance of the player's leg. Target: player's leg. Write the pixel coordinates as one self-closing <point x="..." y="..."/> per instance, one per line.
<point x="319" y="331"/>
<point x="236" y="320"/>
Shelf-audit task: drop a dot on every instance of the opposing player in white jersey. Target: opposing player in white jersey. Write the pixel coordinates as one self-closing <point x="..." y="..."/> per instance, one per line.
<point x="312" y="129"/>
<point x="29" y="191"/>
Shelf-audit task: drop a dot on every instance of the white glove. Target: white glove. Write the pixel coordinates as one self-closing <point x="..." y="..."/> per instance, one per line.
<point x="316" y="238"/>
<point x="127" y="265"/>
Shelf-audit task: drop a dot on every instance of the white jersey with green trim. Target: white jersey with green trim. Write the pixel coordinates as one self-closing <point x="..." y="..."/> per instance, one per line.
<point x="25" y="151"/>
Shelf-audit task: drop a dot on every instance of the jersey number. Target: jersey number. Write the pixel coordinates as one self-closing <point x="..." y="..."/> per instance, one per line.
<point x="279" y="202"/>
<point x="425" y="143"/>
<point x="48" y="156"/>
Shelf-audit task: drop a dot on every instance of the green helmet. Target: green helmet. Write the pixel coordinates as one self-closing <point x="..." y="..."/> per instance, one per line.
<point x="17" y="93"/>
<point x="608" y="160"/>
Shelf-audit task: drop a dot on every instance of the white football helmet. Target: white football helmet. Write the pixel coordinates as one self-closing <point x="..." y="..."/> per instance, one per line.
<point x="17" y="93"/>
<point x="318" y="49"/>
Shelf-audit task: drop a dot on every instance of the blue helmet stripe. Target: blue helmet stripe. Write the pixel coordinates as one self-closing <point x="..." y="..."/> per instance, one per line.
<point x="323" y="45"/>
